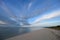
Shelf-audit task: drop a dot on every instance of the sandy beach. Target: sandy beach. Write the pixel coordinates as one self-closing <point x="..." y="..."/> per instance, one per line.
<point x="42" y="34"/>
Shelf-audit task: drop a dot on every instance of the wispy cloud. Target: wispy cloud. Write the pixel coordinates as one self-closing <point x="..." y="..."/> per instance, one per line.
<point x="48" y="16"/>
<point x="46" y="24"/>
<point x="1" y="22"/>
<point x="29" y="5"/>
<point x="6" y="9"/>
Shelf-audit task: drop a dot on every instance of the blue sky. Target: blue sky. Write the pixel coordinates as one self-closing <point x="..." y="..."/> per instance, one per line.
<point x="33" y="10"/>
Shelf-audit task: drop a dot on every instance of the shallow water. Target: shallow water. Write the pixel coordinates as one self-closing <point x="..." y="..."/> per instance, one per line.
<point x="7" y="32"/>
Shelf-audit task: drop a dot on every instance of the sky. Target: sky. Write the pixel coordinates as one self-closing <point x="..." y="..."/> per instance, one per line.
<point x="34" y="12"/>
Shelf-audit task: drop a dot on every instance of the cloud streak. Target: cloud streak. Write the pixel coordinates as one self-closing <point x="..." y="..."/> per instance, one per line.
<point x="6" y="9"/>
<point x="1" y="22"/>
<point x="47" y="16"/>
<point x="29" y="5"/>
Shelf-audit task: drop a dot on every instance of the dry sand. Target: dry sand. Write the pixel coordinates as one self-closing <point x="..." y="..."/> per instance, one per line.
<point x="42" y="34"/>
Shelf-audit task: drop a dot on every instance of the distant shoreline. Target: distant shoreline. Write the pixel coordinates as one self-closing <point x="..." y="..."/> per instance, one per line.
<point x="55" y="27"/>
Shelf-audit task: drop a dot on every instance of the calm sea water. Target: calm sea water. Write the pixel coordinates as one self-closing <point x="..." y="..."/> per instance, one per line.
<point x="7" y="32"/>
<point x="36" y="28"/>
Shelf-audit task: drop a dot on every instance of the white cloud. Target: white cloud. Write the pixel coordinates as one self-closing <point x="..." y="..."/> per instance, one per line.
<point x="43" y="24"/>
<point x="1" y="22"/>
<point x="46" y="24"/>
<point x="47" y="16"/>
